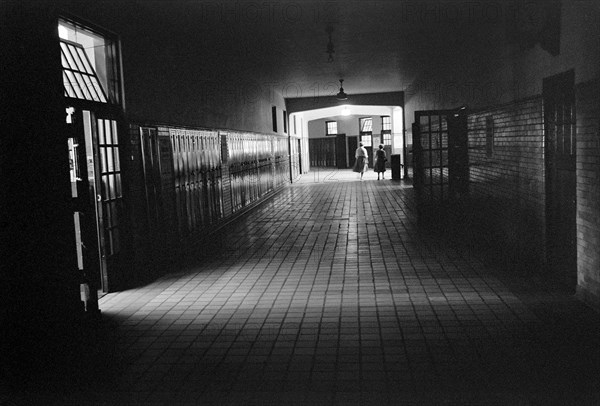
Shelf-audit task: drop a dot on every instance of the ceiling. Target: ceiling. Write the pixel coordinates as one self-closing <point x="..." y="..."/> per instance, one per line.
<point x="380" y="46"/>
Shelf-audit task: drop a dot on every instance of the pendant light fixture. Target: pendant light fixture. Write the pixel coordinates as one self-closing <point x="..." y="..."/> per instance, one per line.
<point x="341" y="94"/>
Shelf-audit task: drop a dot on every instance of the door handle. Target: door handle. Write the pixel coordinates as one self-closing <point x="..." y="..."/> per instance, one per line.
<point x="99" y="198"/>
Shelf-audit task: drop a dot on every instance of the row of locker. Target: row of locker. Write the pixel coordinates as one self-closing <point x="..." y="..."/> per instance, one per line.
<point x="257" y="165"/>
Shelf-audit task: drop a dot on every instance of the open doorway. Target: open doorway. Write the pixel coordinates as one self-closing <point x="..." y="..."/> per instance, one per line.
<point x="94" y="115"/>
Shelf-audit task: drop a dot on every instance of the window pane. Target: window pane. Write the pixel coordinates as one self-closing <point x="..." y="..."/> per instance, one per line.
<point x="74" y="84"/>
<point x="63" y="60"/>
<point x="103" y="168"/>
<point x="88" y="87"/>
<point x="109" y="159"/>
<point x="386" y="123"/>
<point x="89" y="82"/>
<point x="86" y="64"/>
<point x="84" y="86"/>
<point x="98" y="89"/>
<point x="68" y="87"/>
<point x="108" y="131"/>
<point x="366" y="124"/>
<point x="67" y="54"/>
<point x="76" y="58"/>
<point x="114" y="132"/>
<point x="111" y="186"/>
<point x="116" y="158"/>
<point x="104" y="187"/>
<point x="101" y="131"/>
<point x="118" y="185"/>
<point x="435" y="123"/>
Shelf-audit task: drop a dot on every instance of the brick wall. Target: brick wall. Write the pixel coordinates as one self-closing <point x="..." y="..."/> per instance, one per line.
<point x="588" y="192"/>
<point x="508" y="176"/>
<point x="506" y="155"/>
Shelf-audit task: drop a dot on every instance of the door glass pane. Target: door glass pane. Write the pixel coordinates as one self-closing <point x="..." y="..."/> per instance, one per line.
<point x="114" y="132"/>
<point x="111" y="186"/>
<point x="101" y="132"/>
<point x="102" y="159"/>
<point x="118" y="185"/>
<point x="104" y="187"/>
<point x="109" y="159"/>
<point x="108" y="132"/>
<point x="116" y="158"/>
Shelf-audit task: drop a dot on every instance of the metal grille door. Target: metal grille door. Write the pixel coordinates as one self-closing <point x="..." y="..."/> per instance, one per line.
<point x="440" y="151"/>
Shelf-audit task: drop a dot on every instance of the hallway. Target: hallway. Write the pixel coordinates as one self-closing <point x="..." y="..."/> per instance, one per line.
<point x="329" y="294"/>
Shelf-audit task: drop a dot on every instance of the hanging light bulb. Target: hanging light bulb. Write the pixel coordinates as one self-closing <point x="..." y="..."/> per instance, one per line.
<point x="341" y="94"/>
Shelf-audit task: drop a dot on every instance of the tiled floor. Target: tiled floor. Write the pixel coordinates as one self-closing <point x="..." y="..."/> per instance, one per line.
<point x="330" y="294"/>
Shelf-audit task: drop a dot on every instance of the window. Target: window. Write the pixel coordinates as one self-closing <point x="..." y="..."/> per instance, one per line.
<point x="387" y="139"/>
<point x="365" y="124"/>
<point x="489" y="136"/>
<point x="91" y="69"/>
<point x="331" y="128"/>
<point x="367" y="140"/>
<point x="386" y="130"/>
<point x="79" y="78"/>
<point x="386" y="123"/>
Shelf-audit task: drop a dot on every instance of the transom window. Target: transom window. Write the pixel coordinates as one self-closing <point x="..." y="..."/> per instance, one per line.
<point x="91" y="68"/>
<point x="365" y="124"/>
<point x="331" y="128"/>
<point x="386" y="130"/>
<point x="386" y="123"/>
<point x="80" y="79"/>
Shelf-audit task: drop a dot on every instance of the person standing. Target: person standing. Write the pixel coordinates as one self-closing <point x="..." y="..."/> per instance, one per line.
<point x="361" y="160"/>
<point x="380" y="160"/>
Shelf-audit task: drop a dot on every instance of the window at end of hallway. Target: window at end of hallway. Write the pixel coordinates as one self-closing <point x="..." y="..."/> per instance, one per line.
<point x="274" y="114"/>
<point x="285" y="122"/>
<point x="489" y="136"/>
<point x="386" y="130"/>
<point x="386" y="123"/>
<point x="331" y="128"/>
<point x="365" y="124"/>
